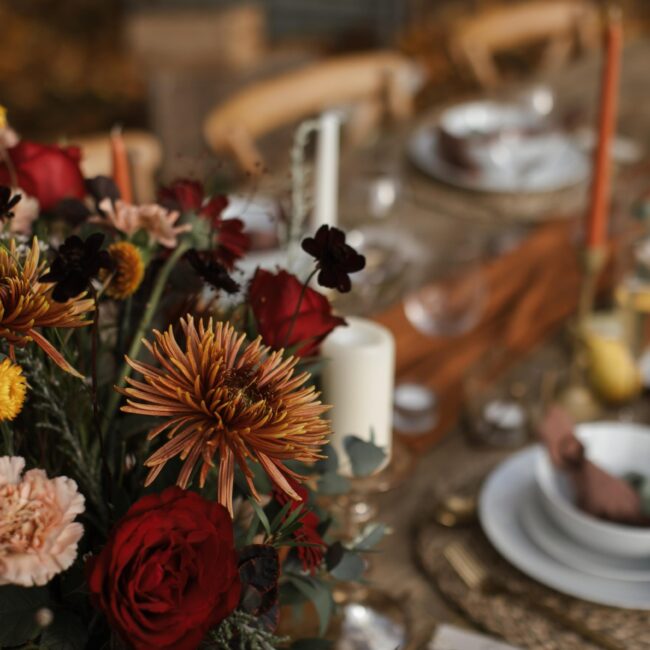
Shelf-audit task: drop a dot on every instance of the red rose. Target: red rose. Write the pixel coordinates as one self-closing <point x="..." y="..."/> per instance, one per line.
<point x="312" y="547"/>
<point x="168" y="572"/>
<point x="46" y="172"/>
<point x="274" y="299"/>
<point x="183" y="194"/>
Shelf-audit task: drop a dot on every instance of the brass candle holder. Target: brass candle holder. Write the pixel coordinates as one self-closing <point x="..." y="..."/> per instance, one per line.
<point x="577" y="397"/>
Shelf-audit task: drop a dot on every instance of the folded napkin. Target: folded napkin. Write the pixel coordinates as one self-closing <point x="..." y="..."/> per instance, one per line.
<point x="597" y="492"/>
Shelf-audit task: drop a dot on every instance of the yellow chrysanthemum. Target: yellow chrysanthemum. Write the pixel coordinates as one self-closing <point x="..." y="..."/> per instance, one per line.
<point x="3" y="117"/>
<point x="128" y="272"/>
<point x="13" y="387"/>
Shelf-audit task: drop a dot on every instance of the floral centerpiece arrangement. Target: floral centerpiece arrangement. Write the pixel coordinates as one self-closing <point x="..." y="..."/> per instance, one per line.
<point x="161" y="449"/>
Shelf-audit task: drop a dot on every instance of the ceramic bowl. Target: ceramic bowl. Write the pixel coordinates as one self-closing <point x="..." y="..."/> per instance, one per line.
<point x="483" y="133"/>
<point x="619" y="448"/>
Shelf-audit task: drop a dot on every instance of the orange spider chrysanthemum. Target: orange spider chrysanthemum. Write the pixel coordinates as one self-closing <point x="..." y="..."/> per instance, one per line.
<point x="221" y="395"/>
<point x="26" y="303"/>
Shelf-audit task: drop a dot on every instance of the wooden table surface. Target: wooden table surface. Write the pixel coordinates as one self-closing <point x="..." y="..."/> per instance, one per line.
<point x="453" y="462"/>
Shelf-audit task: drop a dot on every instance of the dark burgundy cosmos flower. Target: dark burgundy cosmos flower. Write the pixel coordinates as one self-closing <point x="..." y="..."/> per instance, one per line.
<point x="334" y="258"/>
<point x="312" y="547"/>
<point x="76" y="264"/>
<point x="7" y="202"/>
<point x="214" y="273"/>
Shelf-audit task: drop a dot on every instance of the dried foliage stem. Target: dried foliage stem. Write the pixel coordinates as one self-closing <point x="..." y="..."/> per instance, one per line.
<point x="106" y="470"/>
<point x="143" y="326"/>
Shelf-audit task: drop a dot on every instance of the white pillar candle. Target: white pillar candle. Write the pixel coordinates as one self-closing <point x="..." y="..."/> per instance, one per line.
<point x="358" y="376"/>
<point x="327" y="171"/>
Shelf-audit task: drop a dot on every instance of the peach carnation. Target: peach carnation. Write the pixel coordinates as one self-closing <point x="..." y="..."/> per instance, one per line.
<point x="156" y="221"/>
<point x="38" y="534"/>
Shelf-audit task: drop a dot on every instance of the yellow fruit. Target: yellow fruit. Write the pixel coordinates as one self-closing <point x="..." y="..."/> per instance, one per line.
<point x="612" y="370"/>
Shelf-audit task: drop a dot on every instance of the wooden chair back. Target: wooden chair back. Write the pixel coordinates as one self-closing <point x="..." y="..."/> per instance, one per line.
<point x="562" y="26"/>
<point x="371" y="83"/>
<point x="145" y="156"/>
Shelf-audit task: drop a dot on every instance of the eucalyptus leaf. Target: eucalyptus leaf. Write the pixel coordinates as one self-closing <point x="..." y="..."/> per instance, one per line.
<point x="370" y="537"/>
<point x="331" y="461"/>
<point x="350" y="568"/>
<point x="365" y="457"/>
<point x="318" y="593"/>
<point x="330" y="484"/>
<point x="18" y="607"/>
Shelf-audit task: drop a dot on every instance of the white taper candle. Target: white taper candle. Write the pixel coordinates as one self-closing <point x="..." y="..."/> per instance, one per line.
<point x="358" y="376"/>
<point x="327" y="171"/>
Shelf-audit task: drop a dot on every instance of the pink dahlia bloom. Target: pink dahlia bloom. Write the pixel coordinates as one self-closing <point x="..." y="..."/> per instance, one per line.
<point x="38" y="534"/>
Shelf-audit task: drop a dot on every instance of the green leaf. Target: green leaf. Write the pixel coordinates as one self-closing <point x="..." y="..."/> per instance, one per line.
<point x="370" y="537"/>
<point x="350" y="568"/>
<point x="277" y="520"/>
<point x="331" y="484"/>
<point x="318" y="593"/>
<point x="18" y="607"/>
<point x="365" y="457"/>
<point x="331" y="461"/>
<point x="252" y="531"/>
<point x="67" y="632"/>
<point x="261" y="515"/>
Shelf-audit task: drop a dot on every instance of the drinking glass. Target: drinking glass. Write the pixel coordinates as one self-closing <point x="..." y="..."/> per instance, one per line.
<point x="447" y="299"/>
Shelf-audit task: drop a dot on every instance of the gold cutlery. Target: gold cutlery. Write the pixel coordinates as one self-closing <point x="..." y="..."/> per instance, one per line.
<point x="476" y="576"/>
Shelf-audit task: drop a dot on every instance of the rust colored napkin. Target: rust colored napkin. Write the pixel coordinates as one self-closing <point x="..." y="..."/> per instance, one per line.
<point x="598" y="492"/>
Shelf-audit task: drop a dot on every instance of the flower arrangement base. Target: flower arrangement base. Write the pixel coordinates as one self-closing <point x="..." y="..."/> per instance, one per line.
<point x="369" y="620"/>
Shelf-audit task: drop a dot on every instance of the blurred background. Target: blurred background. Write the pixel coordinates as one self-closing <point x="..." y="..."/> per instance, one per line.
<point x="160" y="65"/>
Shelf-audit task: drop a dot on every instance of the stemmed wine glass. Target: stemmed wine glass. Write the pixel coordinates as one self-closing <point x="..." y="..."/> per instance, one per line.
<point x="447" y="300"/>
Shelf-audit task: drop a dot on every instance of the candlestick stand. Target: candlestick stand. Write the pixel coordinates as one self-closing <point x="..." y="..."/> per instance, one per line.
<point x="577" y="397"/>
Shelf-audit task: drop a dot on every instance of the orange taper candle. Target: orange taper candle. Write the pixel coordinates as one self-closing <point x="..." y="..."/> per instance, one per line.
<point x="601" y="182"/>
<point x="120" y="161"/>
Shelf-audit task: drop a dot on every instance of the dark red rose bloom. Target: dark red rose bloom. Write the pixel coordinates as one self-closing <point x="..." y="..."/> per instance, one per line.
<point x="183" y="194"/>
<point x="169" y="571"/>
<point x="311" y="555"/>
<point x="47" y="172"/>
<point x="334" y="258"/>
<point x="274" y="298"/>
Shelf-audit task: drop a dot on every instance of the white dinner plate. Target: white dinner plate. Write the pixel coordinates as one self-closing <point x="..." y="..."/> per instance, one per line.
<point x="509" y="489"/>
<point x="543" y="164"/>
<point x="563" y="548"/>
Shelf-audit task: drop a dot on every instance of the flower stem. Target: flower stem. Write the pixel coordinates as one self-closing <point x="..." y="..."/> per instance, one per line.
<point x="303" y="291"/>
<point x="143" y="325"/>
<point x="106" y="470"/>
<point x="7" y="438"/>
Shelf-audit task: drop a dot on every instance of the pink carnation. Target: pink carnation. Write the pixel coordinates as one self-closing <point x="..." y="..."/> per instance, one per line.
<point x="38" y="534"/>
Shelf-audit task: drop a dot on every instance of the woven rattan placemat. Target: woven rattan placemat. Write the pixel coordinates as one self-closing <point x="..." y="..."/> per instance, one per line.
<point x="504" y="615"/>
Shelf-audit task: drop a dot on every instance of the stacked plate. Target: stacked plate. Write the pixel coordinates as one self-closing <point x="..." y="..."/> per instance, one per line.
<point x="527" y="512"/>
<point x="497" y="147"/>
